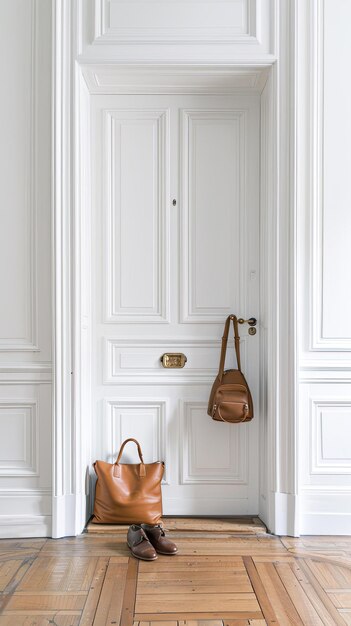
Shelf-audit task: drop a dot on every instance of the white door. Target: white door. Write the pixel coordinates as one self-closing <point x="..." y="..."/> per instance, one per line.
<point x="175" y="250"/>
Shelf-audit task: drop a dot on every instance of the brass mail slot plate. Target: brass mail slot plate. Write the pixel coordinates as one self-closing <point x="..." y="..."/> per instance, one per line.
<point x="173" y="359"/>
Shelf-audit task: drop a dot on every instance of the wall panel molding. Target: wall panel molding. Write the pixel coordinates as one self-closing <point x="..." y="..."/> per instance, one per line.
<point x="26" y="373"/>
<point x="324" y="435"/>
<point x="27" y="220"/>
<point x="25" y="274"/>
<point x="330" y="429"/>
<point x="116" y="79"/>
<point x="320" y="339"/>
<point x="19" y="427"/>
<point x="117" y="22"/>
<point x="183" y="31"/>
<point x="324" y="258"/>
<point x="325" y="371"/>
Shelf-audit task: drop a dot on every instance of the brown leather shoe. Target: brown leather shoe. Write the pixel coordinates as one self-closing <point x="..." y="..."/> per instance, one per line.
<point x="139" y="544"/>
<point x="157" y="538"/>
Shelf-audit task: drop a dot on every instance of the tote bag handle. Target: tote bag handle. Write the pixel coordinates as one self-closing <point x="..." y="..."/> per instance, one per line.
<point x="117" y="469"/>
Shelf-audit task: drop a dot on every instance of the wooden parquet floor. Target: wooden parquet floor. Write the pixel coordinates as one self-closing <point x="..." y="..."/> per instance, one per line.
<point x="217" y="579"/>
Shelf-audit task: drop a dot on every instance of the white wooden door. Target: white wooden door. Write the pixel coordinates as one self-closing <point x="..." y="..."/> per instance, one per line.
<point x="175" y="250"/>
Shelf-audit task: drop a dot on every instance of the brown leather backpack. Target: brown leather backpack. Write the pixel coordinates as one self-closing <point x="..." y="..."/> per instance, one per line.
<point x="230" y="399"/>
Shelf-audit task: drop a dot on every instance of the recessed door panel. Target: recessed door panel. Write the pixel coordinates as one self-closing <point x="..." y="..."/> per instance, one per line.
<point x="213" y="196"/>
<point x="135" y="150"/>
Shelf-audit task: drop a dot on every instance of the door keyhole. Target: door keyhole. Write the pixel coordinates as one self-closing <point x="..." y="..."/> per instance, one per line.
<point x="174" y="202"/>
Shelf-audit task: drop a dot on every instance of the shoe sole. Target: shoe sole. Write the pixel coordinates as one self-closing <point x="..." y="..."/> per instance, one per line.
<point x="167" y="553"/>
<point x="140" y="557"/>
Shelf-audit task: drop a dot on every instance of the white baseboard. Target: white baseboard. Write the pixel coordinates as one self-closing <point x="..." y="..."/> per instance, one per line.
<point x="263" y="509"/>
<point x="283" y="517"/>
<point x="20" y="526"/>
<point x="28" y="513"/>
<point x="325" y="512"/>
<point x="35" y="513"/>
<point x="325" y="524"/>
<point x="69" y="513"/>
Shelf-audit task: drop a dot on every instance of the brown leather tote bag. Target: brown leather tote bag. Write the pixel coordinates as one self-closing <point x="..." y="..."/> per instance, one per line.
<point x="128" y="493"/>
<point x="230" y="399"/>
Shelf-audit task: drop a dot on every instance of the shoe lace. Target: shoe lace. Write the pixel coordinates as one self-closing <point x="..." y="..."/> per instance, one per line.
<point x="143" y="537"/>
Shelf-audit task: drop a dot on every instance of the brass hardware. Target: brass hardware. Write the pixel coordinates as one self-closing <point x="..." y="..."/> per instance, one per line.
<point x="173" y="359"/>
<point x="252" y="321"/>
<point x="252" y="330"/>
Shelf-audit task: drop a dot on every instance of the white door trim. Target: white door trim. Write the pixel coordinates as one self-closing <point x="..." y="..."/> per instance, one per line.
<point x="71" y="423"/>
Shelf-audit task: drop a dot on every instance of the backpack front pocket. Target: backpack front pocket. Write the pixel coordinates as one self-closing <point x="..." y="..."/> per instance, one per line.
<point x="233" y="411"/>
<point x="231" y="403"/>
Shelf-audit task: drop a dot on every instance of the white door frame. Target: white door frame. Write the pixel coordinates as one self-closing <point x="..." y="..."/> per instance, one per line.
<point x="71" y="418"/>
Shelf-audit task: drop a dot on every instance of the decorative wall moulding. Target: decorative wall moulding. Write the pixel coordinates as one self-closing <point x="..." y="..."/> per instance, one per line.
<point x="330" y="430"/>
<point x="330" y="252"/>
<point x="314" y="378"/>
<point x="325" y="370"/>
<point x="25" y="493"/>
<point x="19" y="435"/>
<point x="175" y="21"/>
<point x="19" y="309"/>
<point x="155" y="79"/>
<point x="25" y="378"/>
<point x="111" y="30"/>
<point x="25" y="373"/>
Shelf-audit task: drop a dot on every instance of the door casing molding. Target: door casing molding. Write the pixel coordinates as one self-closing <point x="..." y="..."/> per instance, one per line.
<point x="72" y="422"/>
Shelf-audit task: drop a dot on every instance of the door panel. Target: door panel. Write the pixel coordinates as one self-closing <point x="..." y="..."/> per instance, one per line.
<point x="136" y="187"/>
<point x="203" y="464"/>
<point x="175" y="250"/>
<point x="213" y="160"/>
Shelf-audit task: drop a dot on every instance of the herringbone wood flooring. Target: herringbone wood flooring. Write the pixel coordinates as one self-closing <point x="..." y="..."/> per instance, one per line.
<point x="217" y="579"/>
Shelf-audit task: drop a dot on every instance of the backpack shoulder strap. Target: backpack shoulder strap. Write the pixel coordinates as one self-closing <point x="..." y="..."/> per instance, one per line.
<point x="237" y="341"/>
<point x="225" y="341"/>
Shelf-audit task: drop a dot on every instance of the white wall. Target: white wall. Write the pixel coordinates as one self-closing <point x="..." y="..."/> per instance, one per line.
<point x="323" y="140"/>
<point x="324" y="263"/>
<point x="25" y="268"/>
